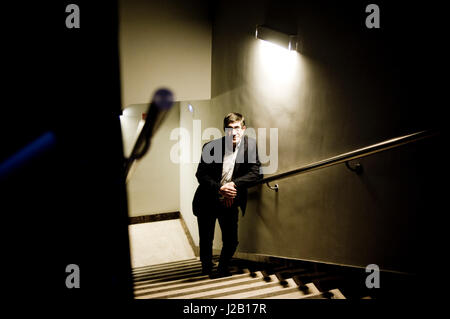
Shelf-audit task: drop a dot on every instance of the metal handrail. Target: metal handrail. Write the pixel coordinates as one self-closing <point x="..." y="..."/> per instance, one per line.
<point x="349" y="156"/>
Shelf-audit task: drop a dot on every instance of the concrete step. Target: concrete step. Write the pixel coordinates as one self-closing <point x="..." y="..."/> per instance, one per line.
<point x="184" y="280"/>
<point x="167" y="277"/>
<point x="292" y="293"/>
<point x="263" y="290"/>
<point x="229" y="290"/>
<point x="166" y="272"/>
<point x="169" y="265"/>
<point x="181" y="287"/>
<point x="183" y="275"/>
<point x="190" y="279"/>
<point x="331" y="294"/>
<point x="209" y="288"/>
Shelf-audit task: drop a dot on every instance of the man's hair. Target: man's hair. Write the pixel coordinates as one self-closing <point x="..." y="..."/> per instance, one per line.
<point x="233" y="117"/>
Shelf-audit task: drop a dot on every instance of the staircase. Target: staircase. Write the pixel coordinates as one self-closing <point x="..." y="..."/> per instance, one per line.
<point x="184" y="280"/>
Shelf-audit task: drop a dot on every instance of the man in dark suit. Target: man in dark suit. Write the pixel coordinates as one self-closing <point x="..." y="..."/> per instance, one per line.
<point x="227" y="167"/>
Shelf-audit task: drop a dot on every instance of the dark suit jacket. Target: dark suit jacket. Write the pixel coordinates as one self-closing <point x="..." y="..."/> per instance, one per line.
<point x="246" y="171"/>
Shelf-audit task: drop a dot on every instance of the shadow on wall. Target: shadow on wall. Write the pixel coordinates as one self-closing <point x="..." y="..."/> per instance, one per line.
<point x="263" y="218"/>
<point x="333" y="215"/>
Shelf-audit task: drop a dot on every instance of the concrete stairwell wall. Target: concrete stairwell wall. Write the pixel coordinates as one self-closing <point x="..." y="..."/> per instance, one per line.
<point x="152" y="187"/>
<point x="195" y="122"/>
<point x="348" y="87"/>
<point x="162" y="44"/>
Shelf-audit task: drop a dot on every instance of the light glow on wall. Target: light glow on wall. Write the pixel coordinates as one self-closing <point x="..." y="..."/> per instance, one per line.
<point x="276" y="67"/>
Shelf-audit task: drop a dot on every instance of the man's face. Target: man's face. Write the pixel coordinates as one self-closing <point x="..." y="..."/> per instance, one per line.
<point x="236" y="130"/>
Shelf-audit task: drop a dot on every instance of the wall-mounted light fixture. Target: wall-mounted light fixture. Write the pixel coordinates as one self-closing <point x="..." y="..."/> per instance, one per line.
<point x="286" y="41"/>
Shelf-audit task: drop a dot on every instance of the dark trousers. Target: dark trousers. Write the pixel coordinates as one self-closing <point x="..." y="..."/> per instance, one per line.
<point x="228" y="222"/>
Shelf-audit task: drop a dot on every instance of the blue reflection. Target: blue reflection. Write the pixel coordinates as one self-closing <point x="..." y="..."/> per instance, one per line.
<point x="30" y="151"/>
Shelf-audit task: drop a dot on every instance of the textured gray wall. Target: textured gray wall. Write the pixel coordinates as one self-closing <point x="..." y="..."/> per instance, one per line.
<point x="152" y="184"/>
<point x="348" y="88"/>
<point x="164" y="43"/>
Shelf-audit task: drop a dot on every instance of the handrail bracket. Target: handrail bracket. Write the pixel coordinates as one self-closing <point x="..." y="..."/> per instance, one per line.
<point x="274" y="188"/>
<point x="356" y="168"/>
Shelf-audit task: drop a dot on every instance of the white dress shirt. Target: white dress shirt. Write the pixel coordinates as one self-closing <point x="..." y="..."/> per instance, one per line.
<point x="228" y="164"/>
